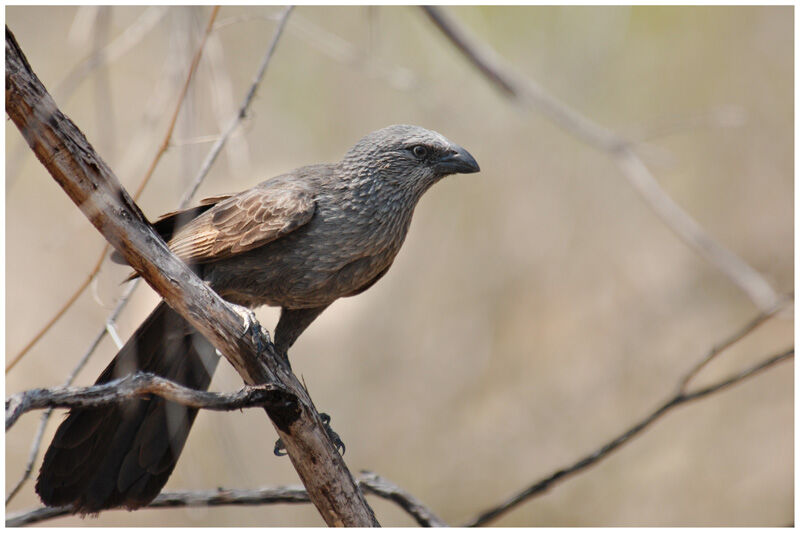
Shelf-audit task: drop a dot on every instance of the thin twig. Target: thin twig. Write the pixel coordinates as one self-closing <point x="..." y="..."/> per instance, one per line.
<point x="262" y="496"/>
<point x="530" y="94"/>
<point x="602" y="452"/>
<point x="130" y="387"/>
<point x="727" y="343"/>
<point x="408" y="502"/>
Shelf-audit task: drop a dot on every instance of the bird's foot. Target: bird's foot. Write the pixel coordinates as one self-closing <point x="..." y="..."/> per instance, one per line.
<point x="248" y="316"/>
<point x="280" y="449"/>
<point x="251" y="325"/>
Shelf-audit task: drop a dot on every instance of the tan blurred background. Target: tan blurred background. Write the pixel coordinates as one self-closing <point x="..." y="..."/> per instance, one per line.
<point x="537" y="309"/>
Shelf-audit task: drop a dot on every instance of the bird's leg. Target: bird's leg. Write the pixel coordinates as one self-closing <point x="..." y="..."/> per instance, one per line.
<point x="292" y="323"/>
<point x="280" y="449"/>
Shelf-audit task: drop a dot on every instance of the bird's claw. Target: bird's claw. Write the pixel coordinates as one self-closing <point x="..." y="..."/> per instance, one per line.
<point x="248" y="316"/>
<point x="252" y="326"/>
<point x="280" y="449"/>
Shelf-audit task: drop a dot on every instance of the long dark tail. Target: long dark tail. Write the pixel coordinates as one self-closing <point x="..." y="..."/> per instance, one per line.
<point x="122" y="455"/>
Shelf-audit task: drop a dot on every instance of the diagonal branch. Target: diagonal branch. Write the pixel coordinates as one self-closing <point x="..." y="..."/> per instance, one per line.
<point x="529" y="94"/>
<point x="64" y="151"/>
<point x="241" y="113"/>
<point x="133" y="386"/>
<point x="603" y="452"/>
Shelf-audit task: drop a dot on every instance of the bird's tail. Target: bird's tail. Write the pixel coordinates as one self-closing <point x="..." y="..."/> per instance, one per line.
<point x="122" y="455"/>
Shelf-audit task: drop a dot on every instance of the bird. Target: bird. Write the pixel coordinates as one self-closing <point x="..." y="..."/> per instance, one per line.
<point x="298" y="241"/>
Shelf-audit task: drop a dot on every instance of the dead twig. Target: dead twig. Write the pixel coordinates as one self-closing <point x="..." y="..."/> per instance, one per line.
<point x="727" y="343"/>
<point x="408" y="502"/>
<point x="133" y="386"/>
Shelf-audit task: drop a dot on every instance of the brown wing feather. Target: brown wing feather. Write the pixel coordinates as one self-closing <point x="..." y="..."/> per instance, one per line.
<point x="245" y="221"/>
<point x="169" y="223"/>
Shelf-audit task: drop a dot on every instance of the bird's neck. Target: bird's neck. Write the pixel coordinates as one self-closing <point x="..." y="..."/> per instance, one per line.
<point x="379" y="207"/>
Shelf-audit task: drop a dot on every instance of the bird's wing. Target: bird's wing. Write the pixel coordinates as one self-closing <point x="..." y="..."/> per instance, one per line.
<point x="245" y="221"/>
<point x="170" y="223"/>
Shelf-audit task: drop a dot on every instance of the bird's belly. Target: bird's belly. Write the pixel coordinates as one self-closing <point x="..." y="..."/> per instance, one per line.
<point x="295" y="281"/>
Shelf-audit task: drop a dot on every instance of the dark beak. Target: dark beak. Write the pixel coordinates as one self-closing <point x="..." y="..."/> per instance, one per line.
<point x="457" y="161"/>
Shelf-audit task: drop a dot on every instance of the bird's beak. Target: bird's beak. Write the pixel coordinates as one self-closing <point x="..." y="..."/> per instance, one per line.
<point x="457" y="161"/>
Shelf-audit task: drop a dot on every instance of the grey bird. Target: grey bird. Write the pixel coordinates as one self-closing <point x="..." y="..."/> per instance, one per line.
<point x="298" y="241"/>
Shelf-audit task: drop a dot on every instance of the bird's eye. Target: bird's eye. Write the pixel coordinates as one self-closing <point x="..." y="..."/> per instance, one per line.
<point x="419" y="151"/>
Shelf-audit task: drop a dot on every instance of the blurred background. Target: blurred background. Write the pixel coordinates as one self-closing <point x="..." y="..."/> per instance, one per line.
<point x="537" y="309"/>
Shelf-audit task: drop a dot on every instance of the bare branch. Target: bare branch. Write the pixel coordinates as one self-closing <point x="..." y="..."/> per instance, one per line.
<point x="603" y="452"/>
<point x="261" y="496"/>
<point x="529" y="94"/>
<point x="32" y="516"/>
<point x="385" y="489"/>
<point x="64" y="151"/>
<point x="133" y="386"/>
<point x="730" y="341"/>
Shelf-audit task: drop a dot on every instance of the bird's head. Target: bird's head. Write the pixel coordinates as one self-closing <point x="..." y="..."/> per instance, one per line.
<point x="409" y="157"/>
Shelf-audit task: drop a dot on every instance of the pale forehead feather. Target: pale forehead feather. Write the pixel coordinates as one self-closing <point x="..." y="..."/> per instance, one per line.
<point x="405" y="134"/>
